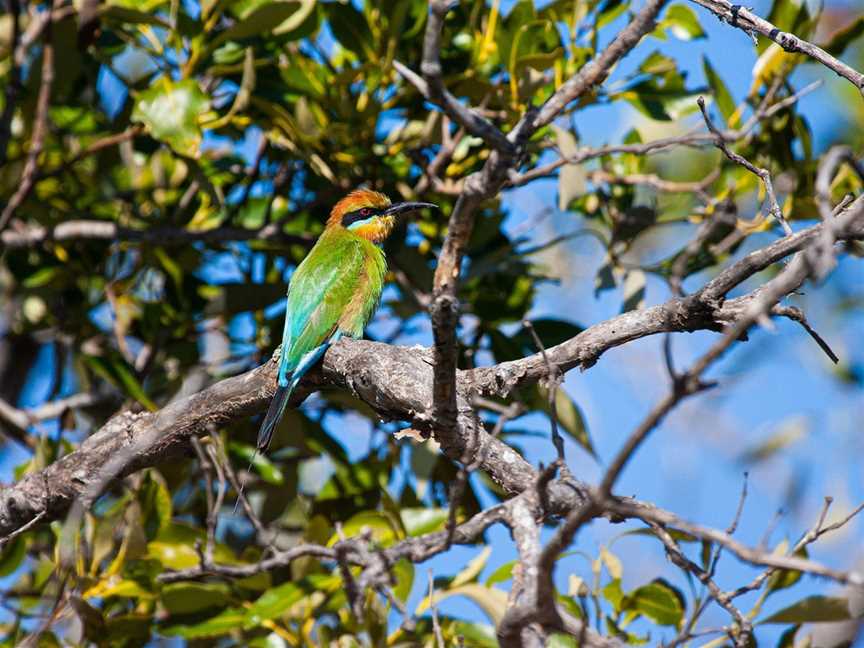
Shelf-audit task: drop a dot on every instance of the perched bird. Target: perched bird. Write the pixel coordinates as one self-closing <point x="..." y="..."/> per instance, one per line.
<point x="335" y="289"/>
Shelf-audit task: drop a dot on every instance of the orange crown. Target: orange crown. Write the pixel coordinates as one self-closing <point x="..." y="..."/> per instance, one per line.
<point x="357" y="199"/>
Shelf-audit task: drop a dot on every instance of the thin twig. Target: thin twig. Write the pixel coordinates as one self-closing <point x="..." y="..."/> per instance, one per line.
<point x="750" y="23"/>
<point x="553" y="383"/>
<point x="40" y="124"/>
<point x="436" y="625"/>
<point x="763" y="174"/>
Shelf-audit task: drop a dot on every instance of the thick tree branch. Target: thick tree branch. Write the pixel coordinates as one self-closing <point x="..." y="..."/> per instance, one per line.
<point x="487" y="183"/>
<point x="397" y="383"/>
<point x="95" y="230"/>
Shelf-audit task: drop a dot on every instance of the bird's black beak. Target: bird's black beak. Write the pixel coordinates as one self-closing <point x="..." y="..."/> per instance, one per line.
<point x="404" y="207"/>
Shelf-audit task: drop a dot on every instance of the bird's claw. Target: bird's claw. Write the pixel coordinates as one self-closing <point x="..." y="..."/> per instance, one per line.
<point x="277" y="354"/>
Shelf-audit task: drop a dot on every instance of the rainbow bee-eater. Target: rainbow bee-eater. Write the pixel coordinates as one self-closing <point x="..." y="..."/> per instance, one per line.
<point x="335" y="289"/>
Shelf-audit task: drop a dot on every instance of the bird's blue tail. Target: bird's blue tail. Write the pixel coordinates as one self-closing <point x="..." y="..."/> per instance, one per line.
<point x="274" y="415"/>
<point x="286" y="386"/>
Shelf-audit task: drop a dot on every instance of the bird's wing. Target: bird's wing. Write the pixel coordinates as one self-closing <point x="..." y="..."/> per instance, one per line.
<point x="320" y="289"/>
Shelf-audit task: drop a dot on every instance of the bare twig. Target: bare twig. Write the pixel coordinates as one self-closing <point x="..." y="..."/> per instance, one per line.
<point x="431" y="85"/>
<point x="741" y="636"/>
<point x="553" y="383"/>
<point x="828" y="167"/>
<point x="23" y="529"/>
<point x="95" y="230"/>
<point x="797" y="315"/>
<point x="763" y="174"/>
<point x="746" y="20"/>
<point x="743" y="552"/>
<point x="99" y="145"/>
<point x="813" y="534"/>
<point x="40" y="124"/>
<point x="691" y="139"/>
<point x="436" y="625"/>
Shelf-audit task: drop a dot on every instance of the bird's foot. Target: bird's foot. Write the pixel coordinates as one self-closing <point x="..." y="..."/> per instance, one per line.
<point x="277" y="354"/>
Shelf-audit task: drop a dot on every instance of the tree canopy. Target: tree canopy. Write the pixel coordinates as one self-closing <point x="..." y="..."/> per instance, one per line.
<point x="164" y="166"/>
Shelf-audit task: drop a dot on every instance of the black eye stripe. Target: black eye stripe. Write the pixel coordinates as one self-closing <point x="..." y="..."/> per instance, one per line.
<point x="358" y="215"/>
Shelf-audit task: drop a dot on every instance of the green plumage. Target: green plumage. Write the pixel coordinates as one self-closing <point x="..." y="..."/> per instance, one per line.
<point x="337" y="286"/>
<point x="333" y="292"/>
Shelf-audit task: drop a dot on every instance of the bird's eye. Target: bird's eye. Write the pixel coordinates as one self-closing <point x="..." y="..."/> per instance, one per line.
<point x="365" y="212"/>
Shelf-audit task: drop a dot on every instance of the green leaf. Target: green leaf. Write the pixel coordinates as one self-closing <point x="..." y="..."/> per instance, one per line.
<point x="173" y="555"/>
<point x="786" y="434"/>
<point x="273" y="603"/>
<point x="351" y="480"/>
<point x="476" y="635"/>
<point x="44" y="276"/>
<point x="156" y="508"/>
<point x="230" y="619"/>
<point x="116" y="370"/>
<point x="418" y="521"/>
<point x="813" y="609"/>
<point x="681" y="20"/>
<point x="501" y="574"/>
<point x="628" y="637"/>
<point x="658" y="63"/>
<point x="842" y="38"/>
<point x="403" y="571"/>
<point x="677" y="534"/>
<point x="705" y="554"/>
<point x="605" y="278"/>
<point x="659" y="103"/>
<point x="609" y="10"/>
<point x="540" y="60"/>
<point x="261" y="20"/>
<point x="122" y="587"/>
<point x="351" y="29"/>
<point x="170" y="110"/>
<point x="269" y="471"/>
<point x="92" y="619"/>
<point x="187" y="598"/>
<point x="128" y="629"/>
<point x="379" y="524"/>
<point x="491" y="600"/>
<point x="133" y="16"/>
<point x="659" y="601"/>
<point x="634" y="290"/>
<point x="174" y="547"/>
<point x="722" y="96"/>
<point x="570" y="418"/>
<point x="12" y="555"/>
<point x="472" y="569"/>
<point x="784" y="578"/>
<point x="613" y="593"/>
<point x="558" y="640"/>
<point x="787" y="639"/>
